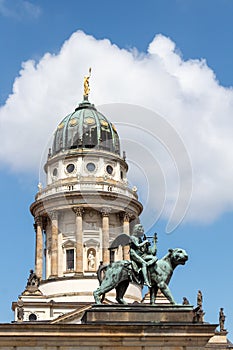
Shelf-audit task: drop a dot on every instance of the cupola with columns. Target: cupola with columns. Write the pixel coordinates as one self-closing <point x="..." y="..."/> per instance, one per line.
<point x="85" y="204"/>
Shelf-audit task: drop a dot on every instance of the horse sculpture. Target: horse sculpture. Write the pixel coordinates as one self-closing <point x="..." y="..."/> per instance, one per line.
<point x="119" y="274"/>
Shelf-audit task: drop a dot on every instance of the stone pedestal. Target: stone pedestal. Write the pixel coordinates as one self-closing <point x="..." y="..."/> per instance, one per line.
<point x="113" y="327"/>
<point x="139" y="313"/>
<point x="161" y="326"/>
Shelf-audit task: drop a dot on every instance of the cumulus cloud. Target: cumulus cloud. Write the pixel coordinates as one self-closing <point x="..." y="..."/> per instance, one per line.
<point x="185" y="93"/>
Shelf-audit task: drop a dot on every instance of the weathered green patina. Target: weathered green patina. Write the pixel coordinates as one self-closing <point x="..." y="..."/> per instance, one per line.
<point x="142" y="254"/>
<point x="143" y="268"/>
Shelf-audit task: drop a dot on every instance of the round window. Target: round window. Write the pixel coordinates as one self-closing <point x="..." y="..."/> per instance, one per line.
<point x="70" y="168"/>
<point x="55" y="172"/>
<point x="109" y="169"/>
<point x="32" y="317"/>
<point x="90" y="167"/>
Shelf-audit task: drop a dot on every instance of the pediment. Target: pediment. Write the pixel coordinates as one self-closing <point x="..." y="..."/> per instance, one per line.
<point x="91" y="243"/>
<point x="68" y="244"/>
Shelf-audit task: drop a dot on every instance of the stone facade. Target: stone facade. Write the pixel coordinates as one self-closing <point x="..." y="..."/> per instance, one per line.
<point x="114" y="327"/>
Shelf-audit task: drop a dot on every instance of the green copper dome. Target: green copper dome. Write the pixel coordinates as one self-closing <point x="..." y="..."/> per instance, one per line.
<point x="86" y="128"/>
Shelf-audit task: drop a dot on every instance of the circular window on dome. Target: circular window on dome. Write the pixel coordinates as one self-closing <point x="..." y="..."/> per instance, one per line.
<point x="55" y="172"/>
<point x="70" y="168"/>
<point x="109" y="169"/>
<point x="32" y="317"/>
<point x="90" y="167"/>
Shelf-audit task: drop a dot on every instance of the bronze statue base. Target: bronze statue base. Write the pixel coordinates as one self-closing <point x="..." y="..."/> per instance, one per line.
<point x="138" y="313"/>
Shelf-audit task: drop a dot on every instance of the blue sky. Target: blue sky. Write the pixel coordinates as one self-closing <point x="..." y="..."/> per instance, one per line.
<point x="199" y="30"/>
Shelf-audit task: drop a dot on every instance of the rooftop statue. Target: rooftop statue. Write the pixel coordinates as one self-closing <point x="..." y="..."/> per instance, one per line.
<point x="143" y="268"/>
<point x="86" y="85"/>
<point x="199" y="299"/>
<point x="33" y="280"/>
<point x="185" y="301"/>
<point x="198" y="311"/>
<point x="222" y="318"/>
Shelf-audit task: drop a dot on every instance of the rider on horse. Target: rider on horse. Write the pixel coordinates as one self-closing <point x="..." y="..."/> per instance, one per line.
<point x="141" y="254"/>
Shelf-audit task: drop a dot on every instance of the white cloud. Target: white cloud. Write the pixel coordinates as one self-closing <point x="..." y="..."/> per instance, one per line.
<point x="186" y="93"/>
<point x="19" y="9"/>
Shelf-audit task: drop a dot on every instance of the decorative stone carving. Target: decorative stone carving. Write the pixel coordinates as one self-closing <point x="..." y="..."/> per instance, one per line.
<point x="105" y="211"/>
<point x="33" y="283"/>
<point x="53" y="215"/>
<point x="78" y="211"/>
<point x="20" y="310"/>
<point x="33" y="280"/>
<point x="127" y="217"/>
<point x="39" y="220"/>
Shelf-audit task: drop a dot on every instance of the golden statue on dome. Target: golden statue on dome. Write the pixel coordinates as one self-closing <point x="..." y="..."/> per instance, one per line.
<point x="86" y="85"/>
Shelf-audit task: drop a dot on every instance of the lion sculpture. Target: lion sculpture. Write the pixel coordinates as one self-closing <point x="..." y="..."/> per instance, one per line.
<point x="119" y="274"/>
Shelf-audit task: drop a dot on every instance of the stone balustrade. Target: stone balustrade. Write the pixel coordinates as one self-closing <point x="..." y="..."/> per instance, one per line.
<point x="85" y="186"/>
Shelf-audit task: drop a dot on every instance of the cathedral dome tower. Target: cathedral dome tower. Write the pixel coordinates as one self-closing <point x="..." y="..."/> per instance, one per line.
<point x="85" y="204"/>
<point x="86" y="128"/>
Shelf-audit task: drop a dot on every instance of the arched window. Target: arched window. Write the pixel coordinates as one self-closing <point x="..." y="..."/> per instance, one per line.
<point x="32" y="317"/>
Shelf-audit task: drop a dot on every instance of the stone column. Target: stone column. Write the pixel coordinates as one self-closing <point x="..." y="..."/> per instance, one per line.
<point x="105" y="235"/>
<point x="47" y="260"/>
<point x="54" y="243"/>
<point x="126" y="230"/>
<point x="39" y="246"/>
<point x="126" y="223"/>
<point x="79" y="240"/>
<point x="126" y="255"/>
